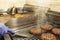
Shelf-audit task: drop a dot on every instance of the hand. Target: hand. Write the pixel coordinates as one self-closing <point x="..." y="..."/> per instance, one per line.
<point x="4" y="29"/>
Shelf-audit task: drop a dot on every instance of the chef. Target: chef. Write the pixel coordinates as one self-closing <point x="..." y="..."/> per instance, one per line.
<point x="4" y="29"/>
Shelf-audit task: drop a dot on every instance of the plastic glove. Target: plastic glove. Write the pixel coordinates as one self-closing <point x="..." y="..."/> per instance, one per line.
<point x="4" y="29"/>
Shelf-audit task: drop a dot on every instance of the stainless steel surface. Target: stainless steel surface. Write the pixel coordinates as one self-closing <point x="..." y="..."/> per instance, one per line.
<point x="22" y="24"/>
<point x="12" y="10"/>
<point x="20" y="9"/>
<point x="22" y="38"/>
<point x="8" y="36"/>
<point x="53" y="18"/>
<point x="3" y="11"/>
<point x="17" y="22"/>
<point x="4" y="19"/>
<point x="24" y="34"/>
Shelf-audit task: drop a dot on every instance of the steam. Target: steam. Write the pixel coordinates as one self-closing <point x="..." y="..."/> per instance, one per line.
<point x="41" y="15"/>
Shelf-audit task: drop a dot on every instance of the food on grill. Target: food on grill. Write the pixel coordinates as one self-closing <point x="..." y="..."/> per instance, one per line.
<point x="47" y="26"/>
<point x="21" y="15"/>
<point x="48" y="36"/>
<point x="56" y="31"/>
<point x="18" y="15"/>
<point x="35" y="30"/>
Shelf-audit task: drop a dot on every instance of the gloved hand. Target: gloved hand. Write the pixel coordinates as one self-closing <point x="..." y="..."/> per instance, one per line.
<point x="4" y="29"/>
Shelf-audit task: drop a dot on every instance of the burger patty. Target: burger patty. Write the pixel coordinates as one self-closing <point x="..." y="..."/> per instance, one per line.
<point x="48" y="36"/>
<point x="36" y="30"/>
<point x="47" y="26"/>
<point x="56" y="31"/>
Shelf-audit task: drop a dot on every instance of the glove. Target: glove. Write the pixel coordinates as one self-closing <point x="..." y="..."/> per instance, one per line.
<point x="4" y="29"/>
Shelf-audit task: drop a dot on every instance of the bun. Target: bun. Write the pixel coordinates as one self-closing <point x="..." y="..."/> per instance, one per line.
<point x="18" y="15"/>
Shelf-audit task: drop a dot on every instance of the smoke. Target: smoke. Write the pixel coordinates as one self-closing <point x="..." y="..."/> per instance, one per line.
<point x="41" y="15"/>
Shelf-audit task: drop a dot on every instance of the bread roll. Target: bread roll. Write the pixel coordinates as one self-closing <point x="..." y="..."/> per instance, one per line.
<point x="18" y="15"/>
<point x="56" y="31"/>
<point x="47" y="26"/>
<point x="48" y="36"/>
